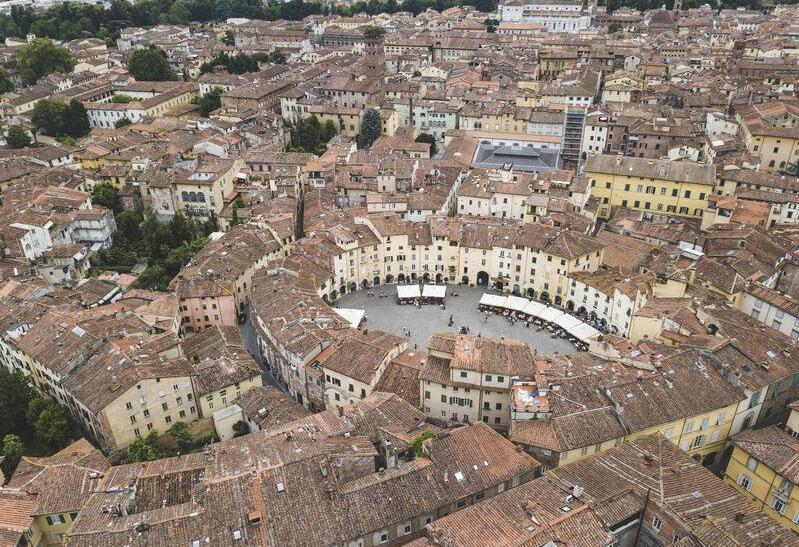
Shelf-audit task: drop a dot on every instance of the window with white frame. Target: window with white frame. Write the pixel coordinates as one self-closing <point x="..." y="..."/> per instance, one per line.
<point x="745" y="481"/>
<point x="657" y="524"/>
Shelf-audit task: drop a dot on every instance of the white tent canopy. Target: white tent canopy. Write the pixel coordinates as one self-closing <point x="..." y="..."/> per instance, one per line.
<point x="567" y="322"/>
<point x="352" y="316"/>
<point x="434" y="291"/>
<point x="515" y="303"/>
<point x="408" y="291"/>
<point x="550" y="314"/>
<point x="534" y="308"/>
<point x="584" y="332"/>
<point x="494" y="300"/>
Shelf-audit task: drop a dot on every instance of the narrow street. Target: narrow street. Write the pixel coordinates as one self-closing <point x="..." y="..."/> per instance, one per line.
<point x="250" y="339"/>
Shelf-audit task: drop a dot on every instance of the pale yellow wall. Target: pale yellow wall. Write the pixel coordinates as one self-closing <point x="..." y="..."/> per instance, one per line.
<point x="155" y="394"/>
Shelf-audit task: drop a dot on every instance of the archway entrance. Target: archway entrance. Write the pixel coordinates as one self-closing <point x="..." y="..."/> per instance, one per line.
<point x="389" y="278"/>
<point x="376" y="281"/>
<point x="334" y="295"/>
<point x="426" y="277"/>
<point x="353" y="286"/>
<point x="545" y="296"/>
<point x="531" y="292"/>
<point x="413" y="276"/>
<point x="401" y="278"/>
<point x="570" y="305"/>
<point x="482" y="279"/>
<point x="465" y="280"/>
<point x="439" y="278"/>
<point x="558" y="300"/>
<point x="517" y="290"/>
<point x="498" y="285"/>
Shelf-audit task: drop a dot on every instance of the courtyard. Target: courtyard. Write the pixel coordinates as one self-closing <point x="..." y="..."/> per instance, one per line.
<point x="386" y="314"/>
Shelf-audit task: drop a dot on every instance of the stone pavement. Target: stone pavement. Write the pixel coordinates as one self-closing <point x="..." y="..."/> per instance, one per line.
<point x="385" y="314"/>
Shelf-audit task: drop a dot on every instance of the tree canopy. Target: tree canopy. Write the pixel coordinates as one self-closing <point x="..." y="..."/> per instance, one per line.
<point x="6" y="84"/>
<point x="17" y="137"/>
<point x="166" y="246"/>
<point x="310" y="135"/>
<point x="48" y="115"/>
<point x="107" y="195"/>
<point x="150" y="65"/>
<point x="371" y="128"/>
<point x="51" y="422"/>
<point x="210" y="101"/>
<point x="15" y="392"/>
<point x="75" y="121"/>
<point x="144" y="449"/>
<point x="431" y="140"/>
<point x="41" y="57"/>
<point x="57" y="119"/>
<point x="30" y="421"/>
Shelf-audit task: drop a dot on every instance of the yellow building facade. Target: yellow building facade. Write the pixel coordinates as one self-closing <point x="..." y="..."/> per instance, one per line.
<point x="657" y="186"/>
<point x="762" y="467"/>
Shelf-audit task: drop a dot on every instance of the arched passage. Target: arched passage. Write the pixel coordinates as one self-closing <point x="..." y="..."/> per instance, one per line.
<point x="482" y="278"/>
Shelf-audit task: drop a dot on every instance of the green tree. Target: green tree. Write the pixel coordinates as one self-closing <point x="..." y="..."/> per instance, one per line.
<point x="182" y="436"/>
<point x="792" y="170"/>
<point x="429" y="139"/>
<point x="486" y="6"/>
<point x="328" y="130"/>
<point x="240" y="428"/>
<point x="150" y="65"/>
<point x="41" y="57"/>
<point x="210" y="101"/>
<point x="121" y="98"/>
<point x="48" y="117"/>
<point x="276" y="56"/>
<point x="228" y="39"/>
<point x="15" y="393"/>
<point x="613" y="28"/>
<point x="5" y="81"/>
<point x="12" y="453"/>
<point x="128" y="227"/>
<point x="75" y="122"/>
<point x="419" y="440"/>
<point x="374" y="32"/>
<point x="371" y="128"/>
<point x="17" y="137"/>
<point x="491" y="24"/>
<point x="122" y="122"/>
<point x="50" y="421"/>
<point x="144" y="449"/>
<point x="107" y="195"/>
<point x="154" y="277"/>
